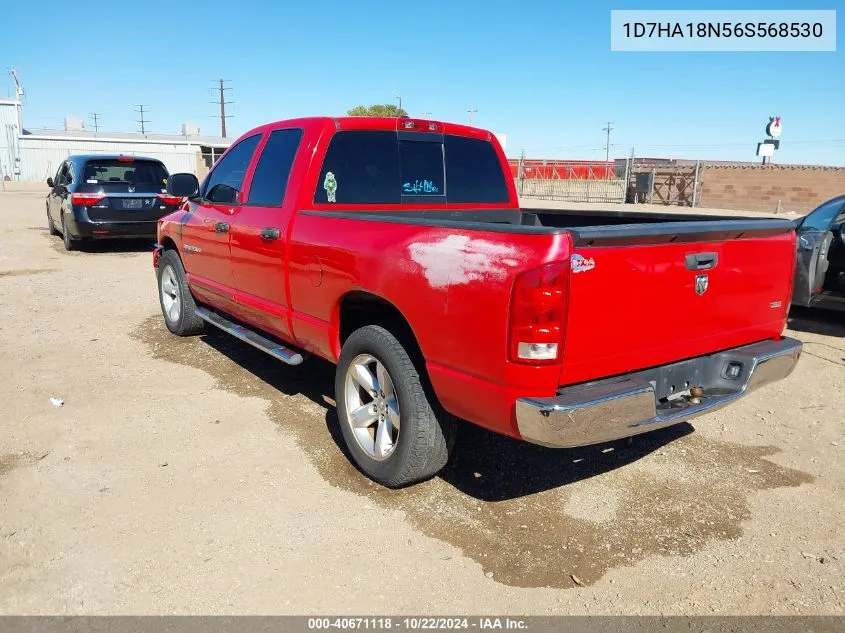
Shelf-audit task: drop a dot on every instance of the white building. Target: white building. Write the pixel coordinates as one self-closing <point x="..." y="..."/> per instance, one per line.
<point x="32" y="155"/>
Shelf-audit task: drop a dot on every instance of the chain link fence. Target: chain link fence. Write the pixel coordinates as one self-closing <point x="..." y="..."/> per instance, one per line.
<point x="571" y="181"/>
<point x="635" y="180"/>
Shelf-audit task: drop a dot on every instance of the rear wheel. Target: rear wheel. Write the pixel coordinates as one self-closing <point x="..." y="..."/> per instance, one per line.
<point x="177" y="302"/>
<point x="70" y="243"/>
<point x="396" y="433"/>
<point x="50" y="224"/>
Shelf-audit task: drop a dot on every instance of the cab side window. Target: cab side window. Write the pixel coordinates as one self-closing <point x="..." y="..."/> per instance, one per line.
<point x="270" y="179"/>
<point x="226" y="179"/>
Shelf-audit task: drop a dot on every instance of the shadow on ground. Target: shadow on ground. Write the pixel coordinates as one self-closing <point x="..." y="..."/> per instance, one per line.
<point x="530" y="516"/>
<point x="817" y="321"/>
<point x="99" y="246"/>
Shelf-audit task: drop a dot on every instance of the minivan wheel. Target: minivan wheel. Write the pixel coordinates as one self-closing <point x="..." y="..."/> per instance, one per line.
<point x="395" y="432"/>
<point x="70" y="243"/>
<point x="177" y="302"/>
<point x="50" y="224"/>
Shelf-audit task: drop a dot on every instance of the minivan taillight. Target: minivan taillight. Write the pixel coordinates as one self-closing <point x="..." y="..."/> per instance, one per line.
<point x="86" y="199"/>
<point x="537" y="314"/>
<point x="166" y="198"/>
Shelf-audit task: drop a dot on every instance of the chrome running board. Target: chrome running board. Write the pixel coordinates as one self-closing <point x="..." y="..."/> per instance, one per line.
<point x="276" y="350"/>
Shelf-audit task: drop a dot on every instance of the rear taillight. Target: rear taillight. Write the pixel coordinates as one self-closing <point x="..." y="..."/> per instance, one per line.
<point x="538" y="313"/>
<point x="166" y="198"/>
<point x="86" y="199"/>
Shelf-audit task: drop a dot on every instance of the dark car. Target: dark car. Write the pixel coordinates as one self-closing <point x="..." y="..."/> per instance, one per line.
<point x="104" y="197"/>
<point x="820" y="265"/>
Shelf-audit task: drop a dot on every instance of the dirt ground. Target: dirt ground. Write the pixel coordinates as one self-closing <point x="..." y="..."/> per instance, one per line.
<point x="200" y="476"/>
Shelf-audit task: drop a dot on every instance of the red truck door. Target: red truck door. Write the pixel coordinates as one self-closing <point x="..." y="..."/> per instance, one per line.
<point x="259" y="237"/>
<point x="207" y="230"/>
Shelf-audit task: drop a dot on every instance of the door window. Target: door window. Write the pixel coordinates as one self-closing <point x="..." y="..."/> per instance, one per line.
<point x="226" y="179"/>
<point x="62" y="176"/>
<point x="270" y="179"/>
<point x="823" y="216"/>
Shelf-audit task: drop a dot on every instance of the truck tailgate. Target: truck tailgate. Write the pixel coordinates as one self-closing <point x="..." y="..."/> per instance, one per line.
<point x="646" y="295"/>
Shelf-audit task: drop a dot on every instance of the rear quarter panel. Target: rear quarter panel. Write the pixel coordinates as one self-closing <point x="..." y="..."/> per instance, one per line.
<point x="453" y="286"/>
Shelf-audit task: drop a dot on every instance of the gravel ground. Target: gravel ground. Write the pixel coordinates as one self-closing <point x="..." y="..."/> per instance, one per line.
<point x="200" y="476"/>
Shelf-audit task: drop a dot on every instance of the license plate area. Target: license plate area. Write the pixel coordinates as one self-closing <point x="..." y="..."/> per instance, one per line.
<point x="678" y="377"/>
<point x="133" y="203"/>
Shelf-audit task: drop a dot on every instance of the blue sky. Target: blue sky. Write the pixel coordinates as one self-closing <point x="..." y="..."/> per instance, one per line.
<point x="541" y="72"/>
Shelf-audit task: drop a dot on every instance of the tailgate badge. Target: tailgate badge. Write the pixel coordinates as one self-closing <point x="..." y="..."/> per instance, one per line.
<point x="701" y="283"/>
<point x="581" y="264"/>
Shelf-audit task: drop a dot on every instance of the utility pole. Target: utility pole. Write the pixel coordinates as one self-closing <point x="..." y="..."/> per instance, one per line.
<point x="96" y="116"/>
<point x="425" y="115"/>
<point x="607" y="129"/>
<point x="471" y="111"/>
<point x="142" y="120"/>
<point x="399" y="98"/>
<point x="221" y="88"/>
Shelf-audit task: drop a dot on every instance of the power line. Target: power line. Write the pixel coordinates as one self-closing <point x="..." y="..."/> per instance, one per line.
<point x="142" y="120"/>
<point x="96" y="116"/>
<point x="221" y="88"/>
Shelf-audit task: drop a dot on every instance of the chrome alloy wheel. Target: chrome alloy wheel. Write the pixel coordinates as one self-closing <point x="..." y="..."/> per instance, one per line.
<point x="170" y="297"/>
<point x="372" y="407"/>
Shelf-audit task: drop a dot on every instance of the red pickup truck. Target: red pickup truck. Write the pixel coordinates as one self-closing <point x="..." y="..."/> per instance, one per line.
<point x="397" y="249"/>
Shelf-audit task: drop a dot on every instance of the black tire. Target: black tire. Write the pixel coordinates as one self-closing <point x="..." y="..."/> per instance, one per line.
<point x="50" y="224"/>
<point x="187" y="323"/>
<point x="70" y="243"/>
<point x="426" y="435"/>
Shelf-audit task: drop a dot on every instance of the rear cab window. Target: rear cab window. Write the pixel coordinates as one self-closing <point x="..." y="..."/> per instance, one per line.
<point x="388" y="167"/>
<point x="123" y="176"/>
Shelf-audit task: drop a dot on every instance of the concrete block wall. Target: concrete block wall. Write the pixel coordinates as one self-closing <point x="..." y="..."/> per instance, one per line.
<point x="770" y="188"/>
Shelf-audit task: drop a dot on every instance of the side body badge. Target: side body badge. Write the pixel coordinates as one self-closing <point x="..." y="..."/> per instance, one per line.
<point x="581" y="264"/>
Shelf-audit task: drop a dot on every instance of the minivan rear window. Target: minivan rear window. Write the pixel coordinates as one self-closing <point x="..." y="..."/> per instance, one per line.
<point x="123" y="176"/>
<point x="379" y="167"/>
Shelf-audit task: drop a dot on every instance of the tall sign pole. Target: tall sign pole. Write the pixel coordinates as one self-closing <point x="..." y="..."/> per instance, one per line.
<point x="767" y="148"/>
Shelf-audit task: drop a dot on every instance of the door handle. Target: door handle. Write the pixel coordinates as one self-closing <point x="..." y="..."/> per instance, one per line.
<point x="270" y="233"/>
<point x="221" y="227"/>
<point x="701" y="261"/>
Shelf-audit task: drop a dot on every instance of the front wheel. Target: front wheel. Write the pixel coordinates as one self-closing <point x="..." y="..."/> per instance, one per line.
<point x="395" y="432"/>
<point x="177" y="302"/>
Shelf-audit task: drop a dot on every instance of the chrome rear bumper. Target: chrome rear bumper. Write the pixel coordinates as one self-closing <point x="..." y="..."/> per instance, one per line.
<point x="635" y="403"/>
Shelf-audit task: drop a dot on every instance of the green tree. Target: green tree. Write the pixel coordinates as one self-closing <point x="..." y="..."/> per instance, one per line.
<point x="379" y="109"/>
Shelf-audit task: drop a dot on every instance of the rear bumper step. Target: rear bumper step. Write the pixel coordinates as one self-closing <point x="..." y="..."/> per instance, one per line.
<point x="628" y="405"/>
<point x="276" y="350"/>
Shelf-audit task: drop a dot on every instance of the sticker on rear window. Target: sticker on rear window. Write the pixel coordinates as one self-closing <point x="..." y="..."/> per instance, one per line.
<point x="92" y="181"/>
<point x="581" y="264"/>
<point x="330" y="185"/>
<point x="417" y="187"/>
